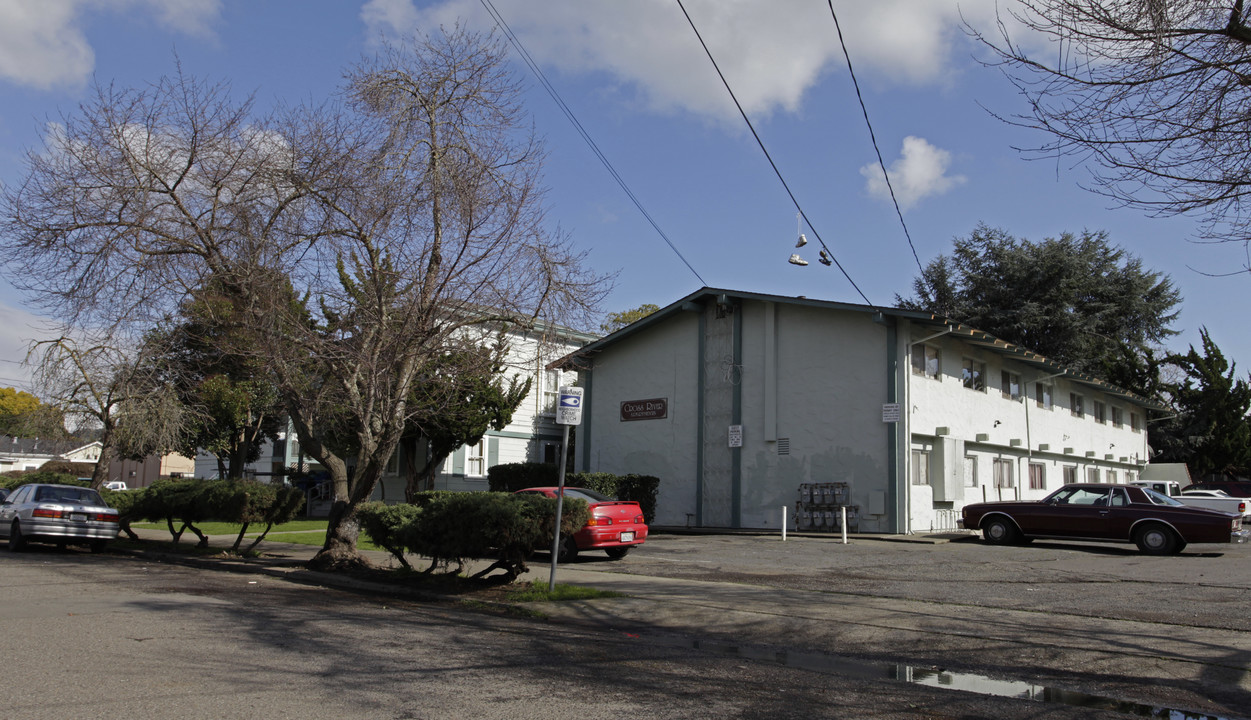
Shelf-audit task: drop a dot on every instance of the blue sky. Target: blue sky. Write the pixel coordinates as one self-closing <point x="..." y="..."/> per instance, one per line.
<point x="637" y="79"/>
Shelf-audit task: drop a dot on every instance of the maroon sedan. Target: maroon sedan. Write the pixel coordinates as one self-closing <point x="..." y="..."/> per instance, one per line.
<point x="1156" y="523"/>
<point x="616" y="526"/>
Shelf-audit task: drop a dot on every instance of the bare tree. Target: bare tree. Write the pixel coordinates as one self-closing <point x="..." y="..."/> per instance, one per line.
<point x="1152" y="93"/>
<point x="104" y="385"/>
<point x="357" y="242"/>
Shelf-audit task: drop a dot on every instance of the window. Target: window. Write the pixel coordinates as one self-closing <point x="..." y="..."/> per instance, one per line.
<point x="1003" y="473"/>
<point x="1092" y="475"/>
<point x="974" y="374"/>
<point x="551" y="452"/>
<point x="1111" y="476"/>
<point x="970" y="471"/>
<point x="1118" y="417"/>
<point x="1101" y="412"/>
<point x="1075" y="405"/>
<point x="1037" y="476"/>
<point x="920" y="467"/>
<point x="925" y="361"/>
<point x="1070" y="475"/>
<point x="1011" y="385"/>
<point x="551" y="391"/>
<point x="1135" y="422"/>
<point x="475" y="458"/>
<point x="1042" y="395"/>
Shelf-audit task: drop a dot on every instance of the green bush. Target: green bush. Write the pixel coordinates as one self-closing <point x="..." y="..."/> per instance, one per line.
<point x="511" y="477"/>
<point x="16" y="480"/>
<point x="197" y="501"/>
<point x="383" y="524"/>
<point x="641" y="489"/>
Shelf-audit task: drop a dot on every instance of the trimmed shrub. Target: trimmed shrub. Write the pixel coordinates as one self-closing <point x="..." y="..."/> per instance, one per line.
<point x="196" y="501"/>
<point x="641" y="489"/>
<point x="384" y="524"/>
<point x="16" y="480"/>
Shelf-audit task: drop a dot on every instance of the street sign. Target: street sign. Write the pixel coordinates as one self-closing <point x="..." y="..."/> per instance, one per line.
<point x="569" y="411"/>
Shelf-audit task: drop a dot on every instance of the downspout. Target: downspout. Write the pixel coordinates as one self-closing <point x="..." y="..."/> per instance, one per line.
<point x="699" y="425"/>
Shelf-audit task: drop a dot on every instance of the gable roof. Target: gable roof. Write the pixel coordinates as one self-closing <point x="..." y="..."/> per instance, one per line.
<point x="940" y="324"/>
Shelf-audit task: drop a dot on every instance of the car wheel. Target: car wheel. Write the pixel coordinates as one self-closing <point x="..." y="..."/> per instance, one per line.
<point x="567" y="551"/>
<point x="1156" y="540"/>
<point x="1000" y="531"/>
<point x="16" y="540"/>
<point x="618" y="552"/>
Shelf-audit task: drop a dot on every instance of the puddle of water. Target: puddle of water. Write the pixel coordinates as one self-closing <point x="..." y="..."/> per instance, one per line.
<point x="968" y="682"/>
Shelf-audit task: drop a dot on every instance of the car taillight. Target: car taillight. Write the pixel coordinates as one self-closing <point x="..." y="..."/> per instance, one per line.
<point x="46" y="513"/>
<point x="1242" y="507"/>
<point x="638" y="520"/>
<point x="105" y="517"/>
<point x="599" y="521"/>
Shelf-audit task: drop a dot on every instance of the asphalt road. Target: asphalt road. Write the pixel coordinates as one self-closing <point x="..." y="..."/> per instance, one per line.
<point x="738" y="627"/>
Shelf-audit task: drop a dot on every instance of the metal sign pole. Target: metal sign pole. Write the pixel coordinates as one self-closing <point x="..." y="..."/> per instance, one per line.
<point x="568" y="412"/>
<point x="560" y="506"/>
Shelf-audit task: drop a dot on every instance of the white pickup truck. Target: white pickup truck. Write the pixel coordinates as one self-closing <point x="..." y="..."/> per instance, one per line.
<point x="1212" y="499"/>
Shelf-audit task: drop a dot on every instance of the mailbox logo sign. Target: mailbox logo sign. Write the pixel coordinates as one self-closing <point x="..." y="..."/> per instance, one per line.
<point x="569" y="410"/>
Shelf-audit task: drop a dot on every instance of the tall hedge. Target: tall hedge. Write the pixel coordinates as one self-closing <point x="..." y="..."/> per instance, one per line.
<point x="641" y="489"/>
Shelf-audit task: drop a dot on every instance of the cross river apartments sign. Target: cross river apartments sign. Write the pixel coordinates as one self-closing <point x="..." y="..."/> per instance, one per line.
<point x="654" y="409"/>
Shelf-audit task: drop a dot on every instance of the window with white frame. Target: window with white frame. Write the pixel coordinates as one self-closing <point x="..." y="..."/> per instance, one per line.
<point x="925" y="360"/>
<point x="1037" y="476"/>
<point x="551" y="391"/>
<point x="1101" y="412"/>
<point x="1092" y="475"/>
<point x="973" y="374"/>
<point x="1111" y="476"/>
<point x="1135" y="422"/>
<point x="1118" y="417"/>
<point x="920" y="467"/>
<point x="1077" y="405"/>
<point x="970" y="471"/>
<point x="1042" y="395"/>
<point x="1070" y="474"/>
<point x="1003" y="473"/>
<point x="475" y="458"/>
<point x="1011" y="385"/>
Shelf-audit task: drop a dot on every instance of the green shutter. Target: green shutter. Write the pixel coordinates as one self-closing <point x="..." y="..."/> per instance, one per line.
<point x="458" y="461"/>
<point x="493" y="452"/>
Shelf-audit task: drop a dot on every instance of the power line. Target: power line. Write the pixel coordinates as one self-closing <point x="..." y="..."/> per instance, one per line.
<point x="772" y="164"/>
<point x="551" y="90"/>
<point x="873" y="137"/>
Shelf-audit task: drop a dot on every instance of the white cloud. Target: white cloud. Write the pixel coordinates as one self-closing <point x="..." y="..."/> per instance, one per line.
<point x="16" y="333"/>
<point x="43" y="45"/>
<point x="919" y="173"/>
<point x="771" y="51"/>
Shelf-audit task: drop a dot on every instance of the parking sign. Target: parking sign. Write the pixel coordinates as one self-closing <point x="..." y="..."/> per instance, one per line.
<point x="569" y="411"/>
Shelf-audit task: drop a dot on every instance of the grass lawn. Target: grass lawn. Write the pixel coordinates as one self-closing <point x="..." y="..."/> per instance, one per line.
<point x="218" y="528"/>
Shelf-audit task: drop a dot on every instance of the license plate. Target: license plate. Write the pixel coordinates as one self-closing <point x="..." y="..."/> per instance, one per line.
<point x="78" y="517"/>
<point x="627" y="537"/>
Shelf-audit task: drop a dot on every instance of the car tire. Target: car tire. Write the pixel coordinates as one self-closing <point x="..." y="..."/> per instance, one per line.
<point x="1156" y="539"/>
<point x="617" y="553"/>
<point x="1000" y="531"/>
<point x="17" y="541"/>
<point x="567" y="551"/>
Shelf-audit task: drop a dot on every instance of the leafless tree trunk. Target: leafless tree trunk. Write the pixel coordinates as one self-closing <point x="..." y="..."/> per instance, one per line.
<point x="1152" y="93"/>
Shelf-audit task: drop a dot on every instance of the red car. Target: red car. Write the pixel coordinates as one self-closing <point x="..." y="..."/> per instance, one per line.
<point x="616" y="526"/>
<point x="1156" y="523"/>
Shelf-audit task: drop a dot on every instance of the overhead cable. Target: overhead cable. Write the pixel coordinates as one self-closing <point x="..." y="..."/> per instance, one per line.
<point x="772" y="164"/>
<point x="873" y="137"/>
<point x="551" y="90"/>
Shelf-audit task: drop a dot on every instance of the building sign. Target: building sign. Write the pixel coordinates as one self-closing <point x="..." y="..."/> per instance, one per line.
<point x="654" y="409"/>
<point x="891" y="412"/>
<point x="736" y="436"/>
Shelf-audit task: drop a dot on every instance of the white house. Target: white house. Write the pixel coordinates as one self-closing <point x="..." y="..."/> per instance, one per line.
<point x="17" y="453"/>
<point x="744" y="404"/>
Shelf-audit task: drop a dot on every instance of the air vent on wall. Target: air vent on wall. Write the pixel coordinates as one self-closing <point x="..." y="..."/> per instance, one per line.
<point x="784" y="446"/>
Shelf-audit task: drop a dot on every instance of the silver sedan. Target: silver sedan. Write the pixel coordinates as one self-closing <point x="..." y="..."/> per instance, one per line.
<point x="60" y="514"/>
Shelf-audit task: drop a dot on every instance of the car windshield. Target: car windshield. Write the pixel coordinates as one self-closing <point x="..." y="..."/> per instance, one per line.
<point x="1160" y="498"/>
<point x="68" y="495"/>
